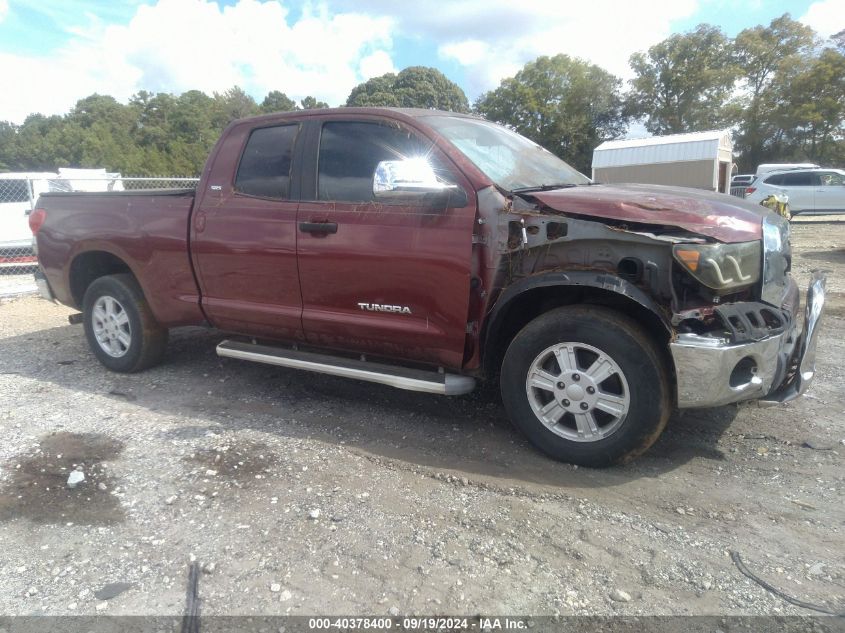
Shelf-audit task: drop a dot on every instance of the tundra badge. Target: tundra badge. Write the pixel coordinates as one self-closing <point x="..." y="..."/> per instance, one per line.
<point x="379" y="307"/>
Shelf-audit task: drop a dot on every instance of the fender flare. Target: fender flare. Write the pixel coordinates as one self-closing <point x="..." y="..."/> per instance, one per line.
<point x="583" y="278"/>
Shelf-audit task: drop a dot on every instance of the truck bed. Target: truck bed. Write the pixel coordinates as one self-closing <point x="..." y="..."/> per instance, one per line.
<point x="146" y="229"/>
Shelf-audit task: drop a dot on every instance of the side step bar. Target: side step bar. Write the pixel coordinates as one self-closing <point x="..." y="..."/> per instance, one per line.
<point x="400" y="377"/>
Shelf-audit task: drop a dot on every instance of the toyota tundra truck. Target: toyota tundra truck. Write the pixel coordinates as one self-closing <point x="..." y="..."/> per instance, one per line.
<point x="429" y="251"/>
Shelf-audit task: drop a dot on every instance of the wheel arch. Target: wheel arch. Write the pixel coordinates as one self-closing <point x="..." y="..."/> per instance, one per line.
<point x="532" y="296"/>
<point x="89" y="266"/>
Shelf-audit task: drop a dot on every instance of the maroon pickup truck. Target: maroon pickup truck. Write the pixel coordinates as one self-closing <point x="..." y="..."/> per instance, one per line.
<point x="427" y="250"/>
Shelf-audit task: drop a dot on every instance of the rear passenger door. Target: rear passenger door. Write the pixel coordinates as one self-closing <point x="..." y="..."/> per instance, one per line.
<point x="799" y="187"/>
<point x="244" y="234"/>
<point x="381" y="278"/>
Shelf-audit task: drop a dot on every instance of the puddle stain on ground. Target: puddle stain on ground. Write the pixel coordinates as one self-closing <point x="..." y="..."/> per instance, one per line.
<point x="37" y="489"/>
<point x="242" y="462"/>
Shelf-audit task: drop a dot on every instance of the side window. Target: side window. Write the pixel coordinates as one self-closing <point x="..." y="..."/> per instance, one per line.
<point x="775" y="180"/>
<point x="350" y="152"/>
<point x="798" y="179"/>
<point x="264" y="169"/>
<point x="832" y="180"/>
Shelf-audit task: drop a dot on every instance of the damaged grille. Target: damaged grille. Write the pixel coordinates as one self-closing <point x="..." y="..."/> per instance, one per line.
<point x="749" y="321"/>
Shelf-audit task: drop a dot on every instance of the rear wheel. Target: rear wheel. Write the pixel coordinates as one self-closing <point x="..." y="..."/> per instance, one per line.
<point x="586" y="385"/>
<point x="119" y="325"/>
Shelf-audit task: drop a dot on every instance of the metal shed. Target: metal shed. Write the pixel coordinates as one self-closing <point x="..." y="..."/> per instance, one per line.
<point x="702" y="160"/>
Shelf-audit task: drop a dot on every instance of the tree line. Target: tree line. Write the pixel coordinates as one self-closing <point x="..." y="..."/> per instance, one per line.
<point x="780" y="88"/>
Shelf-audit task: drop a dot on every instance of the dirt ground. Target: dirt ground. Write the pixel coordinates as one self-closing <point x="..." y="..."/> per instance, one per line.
<point x="306" y="494"/>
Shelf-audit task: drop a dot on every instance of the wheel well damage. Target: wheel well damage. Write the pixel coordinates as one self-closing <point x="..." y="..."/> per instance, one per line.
<point x="535" y="295"/>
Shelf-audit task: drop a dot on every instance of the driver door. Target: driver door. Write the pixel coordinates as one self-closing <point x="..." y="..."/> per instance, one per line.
<point x="381" y="278"/>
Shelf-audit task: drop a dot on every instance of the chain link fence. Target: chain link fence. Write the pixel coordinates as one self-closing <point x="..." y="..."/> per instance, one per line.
<point x="18" y="196"/>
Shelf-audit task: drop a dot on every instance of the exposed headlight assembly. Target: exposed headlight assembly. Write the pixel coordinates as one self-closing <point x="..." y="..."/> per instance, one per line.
<point x="721" y="266"/>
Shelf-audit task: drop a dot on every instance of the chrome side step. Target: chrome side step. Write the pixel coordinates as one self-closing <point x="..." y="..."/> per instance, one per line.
<point x="400" y="377"/>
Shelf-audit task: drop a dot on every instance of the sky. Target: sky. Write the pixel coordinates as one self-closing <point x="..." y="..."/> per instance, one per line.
<point x="54" y="52"/>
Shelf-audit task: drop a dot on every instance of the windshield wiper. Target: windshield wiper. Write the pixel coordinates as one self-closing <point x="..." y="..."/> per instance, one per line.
<point x="543" y="188"/>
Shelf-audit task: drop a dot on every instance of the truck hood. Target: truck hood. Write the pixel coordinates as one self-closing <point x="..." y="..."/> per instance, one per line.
<point x="715" y="215"/>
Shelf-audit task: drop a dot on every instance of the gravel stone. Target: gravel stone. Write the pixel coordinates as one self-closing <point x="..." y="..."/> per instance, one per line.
<point x="617" y="595"/>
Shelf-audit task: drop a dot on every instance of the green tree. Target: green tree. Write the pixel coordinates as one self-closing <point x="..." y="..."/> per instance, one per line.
<point x="44" y="144"/>
<point x="762" y="53"/>
<point x="194" y="132"/>
<point x="684" y="83"/>
<point x="276" y="101"/>
<point x="99" y="133"/>
<point x="567" y="105"/>
<point x="377" y="91"/>
<point x="310" y="103"/>
<point x="810" y="109"/>
<point x="414" y="87"/>
<point x="154" y="115"/>
<point x="8" y="145"/>
<point x="838" y="40"/>
<point x="233" y="104"/>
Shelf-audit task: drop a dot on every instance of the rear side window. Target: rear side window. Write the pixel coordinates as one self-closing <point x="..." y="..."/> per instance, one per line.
<point x="350" y="152"/>
<point x="14" y="191"/>
<point x="264" y="169"/>
<point x="775" y="180"/>
<point x="797" y="180"/>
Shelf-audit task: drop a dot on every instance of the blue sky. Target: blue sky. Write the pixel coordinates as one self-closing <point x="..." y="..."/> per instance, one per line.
<point x="57" y="51"/>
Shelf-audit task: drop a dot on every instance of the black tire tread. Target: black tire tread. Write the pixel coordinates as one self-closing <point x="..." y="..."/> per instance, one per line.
<point x="624" y="329"/>
<point x="153" y="336"/>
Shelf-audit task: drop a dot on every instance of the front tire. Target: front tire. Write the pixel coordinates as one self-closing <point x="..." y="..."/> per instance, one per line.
<point x="119" y="325"/>
<point x="586" y="385"/>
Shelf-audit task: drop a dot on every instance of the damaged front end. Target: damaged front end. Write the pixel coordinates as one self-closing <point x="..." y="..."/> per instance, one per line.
<point x="752" y="349"/>
<point x="715" y="275"/>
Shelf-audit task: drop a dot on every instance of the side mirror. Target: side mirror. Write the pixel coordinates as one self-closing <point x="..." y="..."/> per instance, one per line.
<point x="413" y="181"/>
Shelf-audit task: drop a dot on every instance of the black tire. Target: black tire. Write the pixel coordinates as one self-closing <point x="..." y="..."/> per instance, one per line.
<point x="629" y="346"/>
<point x="147" y="340"/>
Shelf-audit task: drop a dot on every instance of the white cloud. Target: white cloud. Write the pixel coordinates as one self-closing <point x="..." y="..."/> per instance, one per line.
<point x="826" y="17"/>
<point x="4" y="9"/>
<point x="493" y="39"/>
<point x="467" y="52"/>
<point x="376" y="64"/>
<point x="178" y="45"/>
<point x="604" y="32"/>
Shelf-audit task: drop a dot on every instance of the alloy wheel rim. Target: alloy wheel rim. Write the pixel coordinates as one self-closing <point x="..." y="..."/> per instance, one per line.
<point x="578" y="392"/>
<point x="111" y="326"/>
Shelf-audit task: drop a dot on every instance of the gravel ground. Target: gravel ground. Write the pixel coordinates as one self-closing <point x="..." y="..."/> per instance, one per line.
<point x="306" y="494"/>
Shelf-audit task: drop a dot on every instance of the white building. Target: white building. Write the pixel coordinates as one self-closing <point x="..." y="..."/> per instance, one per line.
<point x="702" y="160"/>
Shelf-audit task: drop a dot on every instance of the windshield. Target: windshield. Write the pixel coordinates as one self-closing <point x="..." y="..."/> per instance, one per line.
<point x="508" y="159"/>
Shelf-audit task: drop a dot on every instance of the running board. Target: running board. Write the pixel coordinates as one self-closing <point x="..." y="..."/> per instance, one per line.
<point x="400" y="377"/>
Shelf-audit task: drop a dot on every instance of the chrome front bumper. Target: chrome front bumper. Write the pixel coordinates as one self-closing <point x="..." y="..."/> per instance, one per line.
<point x="711" y="372"/>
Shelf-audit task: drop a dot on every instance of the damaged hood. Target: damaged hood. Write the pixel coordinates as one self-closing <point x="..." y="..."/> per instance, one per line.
<point x="716" y="215"/>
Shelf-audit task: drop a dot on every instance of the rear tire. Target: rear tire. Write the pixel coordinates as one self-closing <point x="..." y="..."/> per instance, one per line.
<point x="119" y="325"/>
<point x="586" y="385"/>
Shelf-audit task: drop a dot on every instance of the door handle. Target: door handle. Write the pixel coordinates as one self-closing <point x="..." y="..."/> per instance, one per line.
<point x="318" y="227"/>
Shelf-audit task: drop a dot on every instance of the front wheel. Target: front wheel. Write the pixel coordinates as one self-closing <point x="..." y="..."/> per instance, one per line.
<point x="119" y="325"/>
<point x="586" y="385"/>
